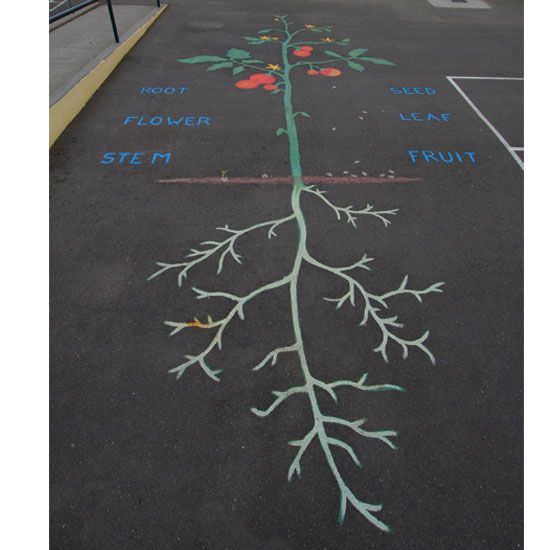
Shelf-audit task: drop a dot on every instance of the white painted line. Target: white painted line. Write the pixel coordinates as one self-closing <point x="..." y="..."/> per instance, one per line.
<point x="509" y="148"/>
<point x="487" y="77"/>
<point x="517" y="148"/>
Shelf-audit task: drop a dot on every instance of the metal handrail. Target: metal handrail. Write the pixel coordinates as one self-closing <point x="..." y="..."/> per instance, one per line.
<point x="70" y="11"/>
<point x="87" y="3"/>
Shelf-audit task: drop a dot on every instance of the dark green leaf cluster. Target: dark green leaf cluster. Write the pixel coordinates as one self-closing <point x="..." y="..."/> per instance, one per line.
<point x="357" y="55"/>
<point x="326" y="29"/>
<point x="235" y="59"/>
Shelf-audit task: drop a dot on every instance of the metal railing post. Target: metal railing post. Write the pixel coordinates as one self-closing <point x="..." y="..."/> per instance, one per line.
<point x="158" y="3"/>
<point x="113" y="22"/>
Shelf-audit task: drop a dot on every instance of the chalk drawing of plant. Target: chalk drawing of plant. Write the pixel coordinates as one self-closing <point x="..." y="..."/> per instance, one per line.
<point x="296" y="54"/>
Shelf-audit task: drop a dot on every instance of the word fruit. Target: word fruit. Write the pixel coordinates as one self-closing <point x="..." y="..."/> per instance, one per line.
<point x="448" y="157"/>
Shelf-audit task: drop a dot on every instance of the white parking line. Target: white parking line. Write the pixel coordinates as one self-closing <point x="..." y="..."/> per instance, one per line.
<point x="509" y="148"/>
<point x="487" y="77"/>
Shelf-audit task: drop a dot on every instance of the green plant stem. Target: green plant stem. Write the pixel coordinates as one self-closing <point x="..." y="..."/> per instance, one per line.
<point x="292" y="131"/>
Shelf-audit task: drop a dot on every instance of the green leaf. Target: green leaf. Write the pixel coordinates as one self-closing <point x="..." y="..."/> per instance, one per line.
<point x="235" y="53"/>
<point x="355" y="66"/>
<point x="238" y="70"/>
<point x="263" y="31"/>
<point x="346" y="41"/>
<point x="280" y="131"/>
<point x="302" y="113"/>
<point x="357" y="52"/>
<point x="201" y="59"/>
<point x="224" y="65"/>
<point x="377" y="61"/>
<point x="334" y="54"/>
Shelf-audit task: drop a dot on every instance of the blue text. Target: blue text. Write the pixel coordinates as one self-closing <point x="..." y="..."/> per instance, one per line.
<point x="167" y="121"/>
<point x="419" y="117"/>
<point x="413" y="91"/>
<point x="137" y="157"/>
<point x="178" y="90"/>
<point x="449" y="157"/>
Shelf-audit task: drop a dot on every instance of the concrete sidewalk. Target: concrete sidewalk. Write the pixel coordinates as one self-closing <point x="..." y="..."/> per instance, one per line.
<point x="81" y="44"/>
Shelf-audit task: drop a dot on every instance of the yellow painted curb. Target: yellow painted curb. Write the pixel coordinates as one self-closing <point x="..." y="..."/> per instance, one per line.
<point x="63" y="111"/>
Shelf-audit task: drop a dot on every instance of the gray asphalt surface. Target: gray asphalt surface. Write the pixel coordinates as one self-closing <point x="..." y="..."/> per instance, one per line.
<point x="141" y="460"/>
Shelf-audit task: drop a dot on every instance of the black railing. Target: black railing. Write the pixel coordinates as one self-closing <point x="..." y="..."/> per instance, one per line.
<point x="113" y="21"/>
<point x="84" y="4"/>
<point x="71" y="9"/>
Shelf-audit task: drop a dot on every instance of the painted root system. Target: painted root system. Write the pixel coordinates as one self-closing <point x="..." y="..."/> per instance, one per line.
<point x="298" y="48"/>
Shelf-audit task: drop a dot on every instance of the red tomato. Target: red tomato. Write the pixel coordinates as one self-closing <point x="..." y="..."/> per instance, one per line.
<point x="246" y="84"/>
<point x="331" y="71"/>
<point x="301" y="53"/>
<point x="307" y="48"/>
<point x="312" y="72"/>
<point x="270" y="87"/>
<point x="262" y="78"/>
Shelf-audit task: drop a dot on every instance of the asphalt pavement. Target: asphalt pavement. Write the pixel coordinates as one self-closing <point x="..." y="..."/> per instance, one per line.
<point x="141" y="459"/>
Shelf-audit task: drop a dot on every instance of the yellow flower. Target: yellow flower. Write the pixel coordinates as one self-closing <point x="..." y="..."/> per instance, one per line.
<point x="264" y="37"/>
<point x="309" y="26"/>
<point x="273" y="67"/>
<point x="274" y="38"/>
<point x="327" y="39"/>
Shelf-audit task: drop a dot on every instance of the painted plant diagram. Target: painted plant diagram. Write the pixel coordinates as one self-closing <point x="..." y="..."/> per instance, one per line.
<point x="297" y="53"/>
